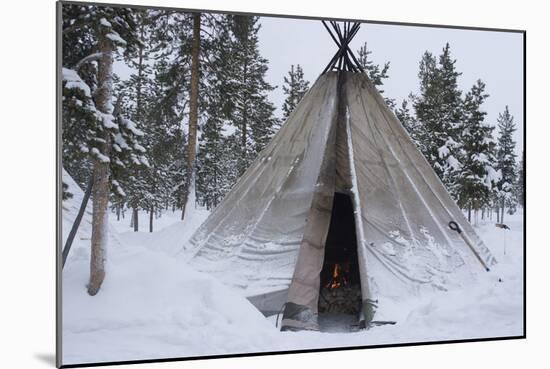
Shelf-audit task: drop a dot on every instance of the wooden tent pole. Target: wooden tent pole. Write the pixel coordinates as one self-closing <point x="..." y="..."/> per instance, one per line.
<point x="342" y="38"/>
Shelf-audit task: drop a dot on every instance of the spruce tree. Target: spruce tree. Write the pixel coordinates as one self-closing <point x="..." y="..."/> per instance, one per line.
<point x="506" y="162"/>
<point x="474" y="179"/>
<point x="294" y="87"/>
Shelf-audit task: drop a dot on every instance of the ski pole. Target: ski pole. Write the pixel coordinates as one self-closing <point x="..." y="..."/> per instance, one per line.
<point x="455" y="227"/>
<point x="504" y="241"/>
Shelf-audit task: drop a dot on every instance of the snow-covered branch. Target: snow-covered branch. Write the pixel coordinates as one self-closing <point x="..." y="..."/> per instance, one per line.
<point x="87" y="59"/>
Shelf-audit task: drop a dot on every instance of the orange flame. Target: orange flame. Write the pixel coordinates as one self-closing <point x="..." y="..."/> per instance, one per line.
<point x="337" y="278"/>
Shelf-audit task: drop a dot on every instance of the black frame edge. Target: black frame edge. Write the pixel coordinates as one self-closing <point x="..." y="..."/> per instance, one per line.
<point x="304" y="17"/>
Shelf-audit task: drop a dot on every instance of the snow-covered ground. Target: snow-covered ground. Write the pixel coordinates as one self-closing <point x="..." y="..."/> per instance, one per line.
<point x="169" y="235"/>
<point x="167" y="219"/>
<point x="153" y="306"/>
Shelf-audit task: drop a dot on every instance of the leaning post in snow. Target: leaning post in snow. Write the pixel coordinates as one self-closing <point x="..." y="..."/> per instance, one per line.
<point x="101" y="169"/>
<point x="77" y="221"/>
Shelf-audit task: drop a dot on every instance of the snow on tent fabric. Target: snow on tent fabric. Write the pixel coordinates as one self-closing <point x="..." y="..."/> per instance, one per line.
<point x="268" y="236"/>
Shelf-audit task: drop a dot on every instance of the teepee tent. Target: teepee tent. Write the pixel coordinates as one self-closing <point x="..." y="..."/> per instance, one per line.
<point x="340" y="196"/>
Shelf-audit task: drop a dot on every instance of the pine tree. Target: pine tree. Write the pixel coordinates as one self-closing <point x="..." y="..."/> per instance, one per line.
<point x="411" y="124"/>
<point x="189" y="188"/>
<point x="506" y="162"/>
<point x="521" y="182"/>
<point x="103" y="31"/>
<point x="183" y="68"/>
<point x="294" y="87"/>
<point x="376" y="74"/>
<point x="438" y="110"/>
<point x="475" y="177"/>
<point x="78" y="107"/>
<point x="168" y="115"/>
<point x="216" y="159"/>
<point x="164" y="179"/>
<point x="426" y="109"/>
<point x="134" y="95"/>
<point x="252" y="113"/>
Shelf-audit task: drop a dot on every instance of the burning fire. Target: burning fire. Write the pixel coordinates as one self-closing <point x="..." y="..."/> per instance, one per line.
<point x="338" y="278"/>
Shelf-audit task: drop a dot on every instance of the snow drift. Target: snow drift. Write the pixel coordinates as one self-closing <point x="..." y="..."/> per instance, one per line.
<point x="152" y="305"/>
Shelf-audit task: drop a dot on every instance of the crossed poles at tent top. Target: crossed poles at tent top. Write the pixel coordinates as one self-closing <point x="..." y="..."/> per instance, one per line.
<point x="342" y="36"/>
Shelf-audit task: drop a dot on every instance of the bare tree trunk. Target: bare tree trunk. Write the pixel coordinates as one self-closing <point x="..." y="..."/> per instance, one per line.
<point x="135" y="217"/>
<point x="101" y="171"/>
<point x="151" y="213"/>
<point x="244" y="127"/>
<point x="77" y="220"/>
<point x="118" y="213"/>
<point x="502" y="212"/>
<point x="140" y="77"/>
<point x="498" y="214"/>
<point x="470" y="213"/>
<point x="193" y="112"/>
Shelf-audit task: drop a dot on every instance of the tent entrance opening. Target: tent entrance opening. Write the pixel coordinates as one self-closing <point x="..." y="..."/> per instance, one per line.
<point x="340" y="287"/>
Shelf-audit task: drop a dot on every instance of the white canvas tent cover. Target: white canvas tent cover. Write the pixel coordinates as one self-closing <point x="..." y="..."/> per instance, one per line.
<point x="267" y="236"/>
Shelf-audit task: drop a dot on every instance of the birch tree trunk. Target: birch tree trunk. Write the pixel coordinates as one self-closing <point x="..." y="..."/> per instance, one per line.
<point x="193" y="113"/>
<point x="101" y="171"/>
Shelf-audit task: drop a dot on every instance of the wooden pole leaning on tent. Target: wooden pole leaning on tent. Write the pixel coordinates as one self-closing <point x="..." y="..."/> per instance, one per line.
<point x="455" y="227"/>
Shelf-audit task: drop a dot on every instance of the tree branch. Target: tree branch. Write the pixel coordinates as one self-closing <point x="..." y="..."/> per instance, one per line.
<point x="87" y="59"/>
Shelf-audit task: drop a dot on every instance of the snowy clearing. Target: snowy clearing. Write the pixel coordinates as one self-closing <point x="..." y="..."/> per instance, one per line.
<point x="153" y="306"/>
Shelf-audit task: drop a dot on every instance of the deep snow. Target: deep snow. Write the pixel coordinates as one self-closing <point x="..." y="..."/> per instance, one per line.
<point x="153" y="306"/>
